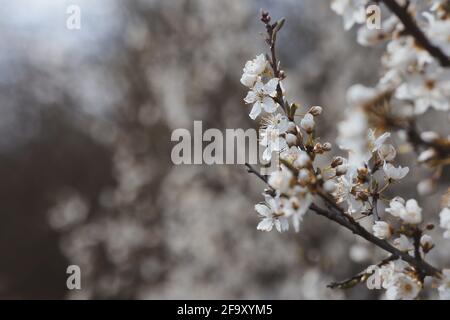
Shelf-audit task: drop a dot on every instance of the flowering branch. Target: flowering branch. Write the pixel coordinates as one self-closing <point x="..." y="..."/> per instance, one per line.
<point x="411" y="28"/>
<point x="352" y="181"/>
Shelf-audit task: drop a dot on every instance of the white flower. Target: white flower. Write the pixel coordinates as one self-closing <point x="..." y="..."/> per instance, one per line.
<point x="272" y="213"/>
<point x="402" y="243"/>
<point x="390" y="271"/>
<point x="439" y="30"/>
<point x="352" y="11"/>
<point x="298" y="205"/>
<point x="410" y="212"/>
<point x="381" y="229"/>
<point x="303" y="160"/>
<point x="291" y="155"/>
<point x="427" y="90"/>
<point x="394" y="173"/>
<point x="444" y="288"/>
<point x="307" y="123"/>
<point x="352" y="135"/>
<point x="402" y="53"/>
<point x="387" y="152"/>
<point x="262" y="97"/>
<point x="281" y="180"/>
<point x="370" y="37"/>
<point x="403" y="288"/>
<point x="253" y="69"/>
<point x="271" y="135"/>
<point x="397" y="205"/>
<point x="343" y="193"/>
<point x="444" y="216"/>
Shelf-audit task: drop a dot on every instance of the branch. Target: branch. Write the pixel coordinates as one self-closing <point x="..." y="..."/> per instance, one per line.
<point x="356" y="228"/>
<point x="412" y="29"/>
<point x="337" y="215"/>
<point x="351" y="282"/>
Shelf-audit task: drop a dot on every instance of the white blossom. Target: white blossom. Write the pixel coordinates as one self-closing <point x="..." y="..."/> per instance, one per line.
<point x="272" y="213"/>
<point x="271" y="135"/>
<point x="253" y="69"/>
<point x="402" y="243"/>
<point x="307" y="123"/>
<point x="281" y="179"/>
<point x="303" y="160"/>
<point x="352" y="11"/>
<point x="390" y="271"/>
<point x="396" y="206"/>
<point x="403" y="287"/>
<point x="262" y="97"/>
<point x="394" y="173"/>
<point x="410" y="212"/>
<point x="431" y="89"/>
<point x="381" y="229"/>
<point x="299" y="204"/>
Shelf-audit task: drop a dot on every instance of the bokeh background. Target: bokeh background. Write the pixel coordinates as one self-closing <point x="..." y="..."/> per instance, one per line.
<point x="86" y="176"/>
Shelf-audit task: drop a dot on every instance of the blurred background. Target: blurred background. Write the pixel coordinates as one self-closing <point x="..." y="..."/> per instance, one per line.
<point x="86" y="176"/>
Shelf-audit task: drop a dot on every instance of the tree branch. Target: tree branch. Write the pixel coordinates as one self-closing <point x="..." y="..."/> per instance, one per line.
<point x="412" y="29"/>
<point x="357" y="229"/>
<point x="337" y="215"/>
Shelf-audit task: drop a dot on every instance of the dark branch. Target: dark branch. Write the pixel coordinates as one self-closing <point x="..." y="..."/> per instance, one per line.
<point x="357" y="229"/>
<point x="412" y="29"/>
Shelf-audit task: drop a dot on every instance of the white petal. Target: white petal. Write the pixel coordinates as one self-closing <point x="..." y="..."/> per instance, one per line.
<point x="263" y="210"/>
<point x="265" y="225"/>
<point x="250" y="97"/>
<point x="269" y="105"/>
<point x="270" y="88"/>
<point x="256" y="110"/>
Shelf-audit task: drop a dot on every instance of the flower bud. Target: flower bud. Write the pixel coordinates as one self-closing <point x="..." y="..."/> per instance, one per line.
<point x="315" y="110"/>
<point x="291" y="139"/>
<point x="326" y="146"/>
<point x="292" y="127"/>
<point x="363" y="172"/>
<point x="337" y="161"/>
<point x="307" y="123"/>
<point x="426" y="243"/>
<point x="318" y="148"/>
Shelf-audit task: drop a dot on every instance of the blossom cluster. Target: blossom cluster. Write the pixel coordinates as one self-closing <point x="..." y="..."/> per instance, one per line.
<point x="413" y="80"/>
<point x="353" y="187"/>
